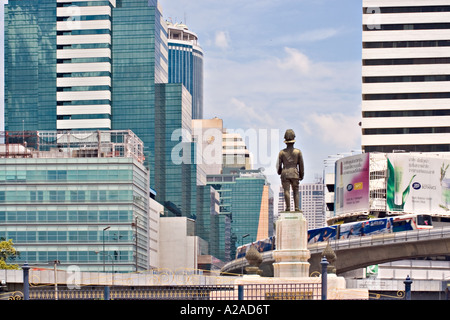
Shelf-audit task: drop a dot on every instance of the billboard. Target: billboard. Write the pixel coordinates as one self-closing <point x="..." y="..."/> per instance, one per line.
<point x="352" y="184"/>
<point x="417" y="184"/>
<point x="364" y="228"/>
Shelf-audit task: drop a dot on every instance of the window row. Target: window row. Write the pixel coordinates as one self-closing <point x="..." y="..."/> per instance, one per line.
<point x="21" y="237"/>
<point x="387" y="62"/>
<point x="406" y="79"/>
<point x="11" y="175"/>
<point x="405" y="113"/>
<point x="406" y="130"/>
<point x="406" y="44"/>
<point x="405" y="96"/>
<point x="73" y="256"/>
<point x="67" y="216"/>
<point x="409" y="148"/>
<point x="67" y="196"/>
<point x="412" y="26"/>
<point x="376" y="10"/>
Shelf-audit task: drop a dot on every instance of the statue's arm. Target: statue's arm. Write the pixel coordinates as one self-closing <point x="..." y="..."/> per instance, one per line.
<point x="301" y="167"/>
<point x="279" y="164"/>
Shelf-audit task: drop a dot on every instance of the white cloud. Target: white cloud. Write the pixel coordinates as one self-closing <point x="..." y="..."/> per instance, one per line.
<point x="250" y="114"/>
<point x="295" y="60"/>
<point x="222" y="40"/>
<point x="335" y="129"/>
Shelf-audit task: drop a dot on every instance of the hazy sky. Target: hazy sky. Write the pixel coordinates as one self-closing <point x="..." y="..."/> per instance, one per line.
<point x="271" y="65"/>
<point x="279" y="64"/>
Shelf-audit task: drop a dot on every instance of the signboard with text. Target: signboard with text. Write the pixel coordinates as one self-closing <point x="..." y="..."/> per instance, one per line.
<point x="352" y="184"/>
<point x="417" y="184"/>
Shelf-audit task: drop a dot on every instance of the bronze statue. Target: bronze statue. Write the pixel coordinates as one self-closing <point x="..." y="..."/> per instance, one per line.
<point x="290" y="167"/>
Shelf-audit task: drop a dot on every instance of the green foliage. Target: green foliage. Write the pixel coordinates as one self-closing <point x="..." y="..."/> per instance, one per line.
<point x="7" y="251"/>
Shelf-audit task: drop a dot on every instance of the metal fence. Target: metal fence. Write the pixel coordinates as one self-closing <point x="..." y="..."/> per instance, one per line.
<point x="297" y="291"/>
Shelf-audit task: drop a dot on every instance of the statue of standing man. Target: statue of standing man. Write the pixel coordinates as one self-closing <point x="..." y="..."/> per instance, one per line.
<point x="290" y="167"/>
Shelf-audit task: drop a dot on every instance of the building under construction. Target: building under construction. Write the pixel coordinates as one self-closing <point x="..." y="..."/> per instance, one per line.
<point x="71" y="144"/>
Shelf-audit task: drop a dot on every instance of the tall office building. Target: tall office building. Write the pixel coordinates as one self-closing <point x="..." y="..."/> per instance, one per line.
<point x="311" y="202"/>
<point x="80" y="65"/>
<point x="246" y="208"/>
<point x="235" y="152"/>
<point x="176" y="174"/>
<point x="83" y="65"/>
<point x="186" y="63"/>
<point x="406" y="76"/>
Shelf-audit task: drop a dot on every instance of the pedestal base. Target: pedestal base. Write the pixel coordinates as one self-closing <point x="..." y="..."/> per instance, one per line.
<point x="291" y="254"/>
<point x="291" y="263"/>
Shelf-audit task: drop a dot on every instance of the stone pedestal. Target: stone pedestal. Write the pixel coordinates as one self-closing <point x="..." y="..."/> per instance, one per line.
<point x="291" y="252"/>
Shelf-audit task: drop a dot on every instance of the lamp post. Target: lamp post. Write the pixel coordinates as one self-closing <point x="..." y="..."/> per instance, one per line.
<point x="324" y="263"/>
<point x="135" y="225"/>
<point x="242" y="242"/>
<point x="56" y="262"/>
<point x="104" y="246"/>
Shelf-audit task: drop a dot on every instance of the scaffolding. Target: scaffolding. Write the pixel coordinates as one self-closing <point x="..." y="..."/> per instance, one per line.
<point x="71" y="144"/>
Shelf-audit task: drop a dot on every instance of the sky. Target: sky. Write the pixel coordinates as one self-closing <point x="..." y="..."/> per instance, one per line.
<point x="273" y="65"/>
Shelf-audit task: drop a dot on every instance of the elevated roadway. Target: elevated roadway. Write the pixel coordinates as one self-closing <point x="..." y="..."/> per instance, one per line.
<point x="361" y="252"/>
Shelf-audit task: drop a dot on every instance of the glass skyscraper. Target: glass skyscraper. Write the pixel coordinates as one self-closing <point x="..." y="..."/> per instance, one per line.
<point x="175" y="165"/>
<point x="246" y="207"/>
<point x="81" y="65"/>
<point x="186" y="64"/>
<point x="30" y="65"/>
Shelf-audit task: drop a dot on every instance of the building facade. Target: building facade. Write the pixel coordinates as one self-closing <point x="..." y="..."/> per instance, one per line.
<point x="79" y="198"/>
<point x="246" y="205"/>
<point x="101" y="65"/>
<point x="311" y="202"/>
<point x="235" y="152"/>
<point x="83" y="65"/>
<point x="405" y="75"/>
<point x="186" y="63"/>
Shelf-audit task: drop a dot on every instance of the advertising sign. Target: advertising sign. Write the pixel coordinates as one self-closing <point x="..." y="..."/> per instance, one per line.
<point x="365" y="228"/>
<point x="352" y="184"/>
<point x="417" y="184"/>
<point x="321" y="234"/>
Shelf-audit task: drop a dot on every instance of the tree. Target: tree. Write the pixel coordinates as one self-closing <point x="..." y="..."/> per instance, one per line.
<point x="7" y="251"/>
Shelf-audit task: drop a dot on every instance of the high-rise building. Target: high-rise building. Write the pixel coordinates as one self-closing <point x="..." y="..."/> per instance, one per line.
<point x="186" y="63"/>
<point x="81" y="198"/>
<point x="311" y="202"/>
<point x="80" y="65"/>
<point x="406" y="76"/>
<point x="83" y="64"/>
<point x="235" y="152"/>
<point x="246" y="208"/>
<point x="176" y="174"/>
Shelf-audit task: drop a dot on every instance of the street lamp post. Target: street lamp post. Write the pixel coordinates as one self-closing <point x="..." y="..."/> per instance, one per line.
<point x="135" y="225"/>
<point x="56" y="262"/>
<point x="104" y="246"/>
<point x="244" y="236"/>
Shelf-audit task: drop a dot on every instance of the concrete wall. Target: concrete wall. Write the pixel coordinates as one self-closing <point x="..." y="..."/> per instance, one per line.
<point x="178" y="248"/>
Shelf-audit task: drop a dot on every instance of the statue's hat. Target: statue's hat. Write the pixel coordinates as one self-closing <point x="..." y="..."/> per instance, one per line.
<point x="289" y="136"/>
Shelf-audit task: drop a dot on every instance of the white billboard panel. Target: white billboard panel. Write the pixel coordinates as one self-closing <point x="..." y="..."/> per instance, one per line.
<point x="417" y="184"/>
